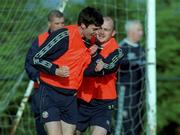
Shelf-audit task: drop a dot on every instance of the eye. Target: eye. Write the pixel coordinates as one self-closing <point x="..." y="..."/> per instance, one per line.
<point x="95" y="29"/>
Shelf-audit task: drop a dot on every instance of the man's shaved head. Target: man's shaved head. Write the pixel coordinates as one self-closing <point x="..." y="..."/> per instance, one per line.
<point x="107" y="30"/>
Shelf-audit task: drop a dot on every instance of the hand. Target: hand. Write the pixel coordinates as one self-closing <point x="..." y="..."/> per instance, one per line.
<point x="62" y="71"/>
<point x="100" y="65"/>
<point x="93" y="49"/>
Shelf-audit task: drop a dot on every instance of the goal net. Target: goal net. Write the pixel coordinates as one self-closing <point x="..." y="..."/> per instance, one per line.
<point x="21" y="21"/>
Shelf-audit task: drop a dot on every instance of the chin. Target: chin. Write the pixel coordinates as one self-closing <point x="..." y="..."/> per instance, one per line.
<point x="101" y="39"/>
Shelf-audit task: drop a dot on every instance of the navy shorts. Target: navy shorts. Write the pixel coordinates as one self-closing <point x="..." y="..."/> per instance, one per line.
<point x="95" y="113"/>
<point x="54" y="105"/>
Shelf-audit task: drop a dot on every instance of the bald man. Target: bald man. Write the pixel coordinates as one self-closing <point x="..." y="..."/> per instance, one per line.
<point x="132" y="75"/>
<point x="97" y="94"/>
<point x="55" y="22"/>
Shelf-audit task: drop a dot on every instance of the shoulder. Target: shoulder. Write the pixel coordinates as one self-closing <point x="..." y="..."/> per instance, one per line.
<point x="111" y="44"/>
<point x="60" y="31"/>
<point x="71" y="28"/>
<point x="123" y="44"/>
<point x="59" y="34"/>
<point x="35" y="43"/>
<point x="44" y="34"/>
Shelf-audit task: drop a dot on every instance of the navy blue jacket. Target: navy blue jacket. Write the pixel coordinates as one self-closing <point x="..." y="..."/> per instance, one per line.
<point x="132" y="66"/>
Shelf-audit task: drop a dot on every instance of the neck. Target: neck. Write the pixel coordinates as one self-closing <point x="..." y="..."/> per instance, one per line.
<point x="131" y="42"/>
<point x="105" y="43"/>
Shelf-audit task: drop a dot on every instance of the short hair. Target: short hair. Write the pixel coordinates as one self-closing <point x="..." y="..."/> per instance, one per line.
<point x="129" y="24"/>
<point x="89" y="16"/>
<point x="54" y="13"/>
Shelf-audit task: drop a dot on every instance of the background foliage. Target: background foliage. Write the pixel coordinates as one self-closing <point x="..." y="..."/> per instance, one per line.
<point x="168" y="63"/>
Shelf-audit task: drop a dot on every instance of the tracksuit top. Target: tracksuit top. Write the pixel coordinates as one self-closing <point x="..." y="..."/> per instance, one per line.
<point x="63" y="47"/>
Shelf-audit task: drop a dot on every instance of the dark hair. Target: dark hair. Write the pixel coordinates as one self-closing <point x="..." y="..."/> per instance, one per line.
<point x="89" y="16"/>
<point x="54" y="13"/>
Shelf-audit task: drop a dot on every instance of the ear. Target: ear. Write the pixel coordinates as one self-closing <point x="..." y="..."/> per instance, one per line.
<point x="113" y="33"/>
<point x="83" y="26"/>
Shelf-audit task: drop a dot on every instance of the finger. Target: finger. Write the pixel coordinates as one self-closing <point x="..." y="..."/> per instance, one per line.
<point x="65" y="71"/>
<point x="99" y="60"/>
<point x="67" y="75"/>
<point x="65" y="67"/>
<point x="64" y="75"/>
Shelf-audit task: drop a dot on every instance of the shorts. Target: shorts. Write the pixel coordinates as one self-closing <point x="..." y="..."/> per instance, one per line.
<point x="95" y="113"/>
<point x="54" y="105"/>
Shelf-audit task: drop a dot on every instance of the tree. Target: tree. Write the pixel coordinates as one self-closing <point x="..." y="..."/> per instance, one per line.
<point x="168" y="63"/>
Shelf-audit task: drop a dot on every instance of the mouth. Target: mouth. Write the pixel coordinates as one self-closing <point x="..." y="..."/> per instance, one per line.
<point x="101" y="37"/>
<point x="99" y="47"/>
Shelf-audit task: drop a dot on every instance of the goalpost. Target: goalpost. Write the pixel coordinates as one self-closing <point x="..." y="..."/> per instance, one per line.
<point x="23" y="21"/>
<point x="151" y="67"/>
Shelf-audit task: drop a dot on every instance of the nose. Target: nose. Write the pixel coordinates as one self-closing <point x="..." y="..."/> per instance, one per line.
<point x="96" y="32"/>
<point x="100" y="32"/>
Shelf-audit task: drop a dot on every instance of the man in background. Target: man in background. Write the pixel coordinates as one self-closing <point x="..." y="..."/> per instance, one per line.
<point x="55" y="22"/>
<point x="131" y="76"/>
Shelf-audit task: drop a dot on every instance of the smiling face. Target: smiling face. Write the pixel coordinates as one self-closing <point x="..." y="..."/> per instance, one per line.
<point x="90" y="30"/>
<point x="56" y="23"/>
<point x="107" y="30"/>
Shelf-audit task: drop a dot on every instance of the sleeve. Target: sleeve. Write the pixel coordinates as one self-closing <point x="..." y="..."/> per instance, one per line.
<point x="90" y="70"/>
<point x="124" y="62"/>
<point x="111" y="64"/>
<point x="54" y="47"/>
<point x="32" y="72"/>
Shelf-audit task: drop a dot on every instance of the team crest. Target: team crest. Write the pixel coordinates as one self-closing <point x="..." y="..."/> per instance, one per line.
<point x="108" y="122"/>
<point x="45" y="114"/>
